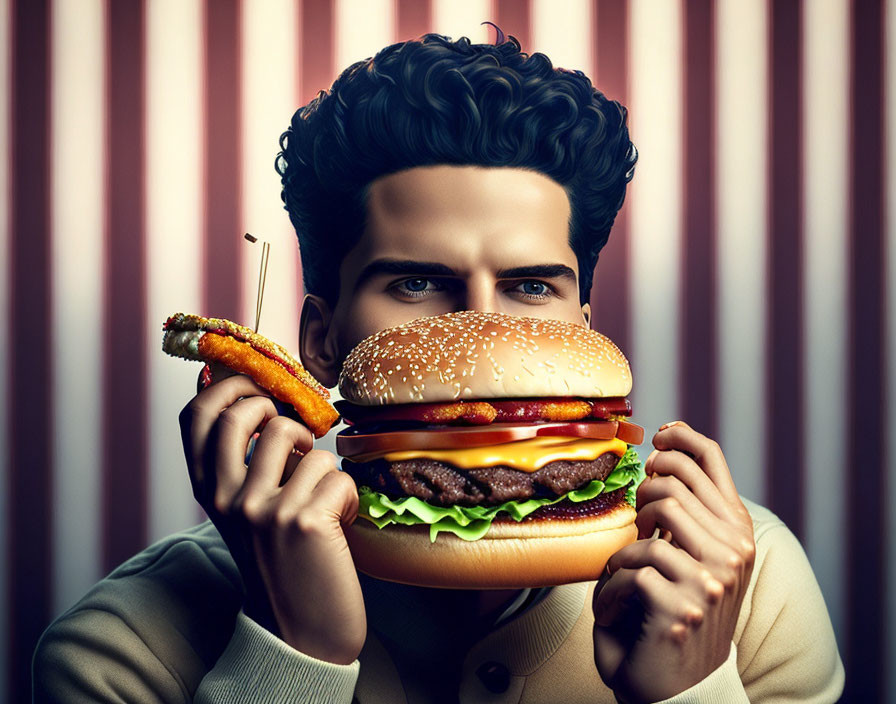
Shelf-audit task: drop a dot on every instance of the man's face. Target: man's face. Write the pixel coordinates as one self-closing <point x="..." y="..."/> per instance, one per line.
<point x="448" y="238"/>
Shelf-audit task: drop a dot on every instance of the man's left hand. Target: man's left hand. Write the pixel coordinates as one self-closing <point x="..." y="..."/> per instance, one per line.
<point x="666" y="610"/>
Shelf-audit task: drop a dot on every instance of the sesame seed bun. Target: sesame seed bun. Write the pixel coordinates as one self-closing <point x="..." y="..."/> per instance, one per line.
<point x="477" y="355"/>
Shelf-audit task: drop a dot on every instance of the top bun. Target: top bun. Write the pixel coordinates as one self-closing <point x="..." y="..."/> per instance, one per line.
<point x="476" y="355"/>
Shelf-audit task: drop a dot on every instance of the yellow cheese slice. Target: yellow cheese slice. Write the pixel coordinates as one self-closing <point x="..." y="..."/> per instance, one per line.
<point x="526" y="455"/>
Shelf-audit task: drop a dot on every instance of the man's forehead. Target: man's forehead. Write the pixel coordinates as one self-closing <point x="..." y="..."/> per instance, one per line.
<point x="462" y="219"/>
<point x="455" y="189"/>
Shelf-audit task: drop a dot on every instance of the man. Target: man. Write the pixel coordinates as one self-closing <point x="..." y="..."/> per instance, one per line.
<point x="441" y="176"/>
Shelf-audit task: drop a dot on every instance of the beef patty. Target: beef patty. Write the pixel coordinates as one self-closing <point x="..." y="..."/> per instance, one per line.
<point x="445" y="485"/>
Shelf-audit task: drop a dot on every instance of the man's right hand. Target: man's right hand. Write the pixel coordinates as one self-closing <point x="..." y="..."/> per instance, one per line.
<point x="282" y="517"/>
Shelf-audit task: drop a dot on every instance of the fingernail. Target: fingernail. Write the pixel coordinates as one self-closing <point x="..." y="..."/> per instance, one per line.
<point x="250" y="449"/>
<point x="670" y="424"/>
<point x="648" y="460"/>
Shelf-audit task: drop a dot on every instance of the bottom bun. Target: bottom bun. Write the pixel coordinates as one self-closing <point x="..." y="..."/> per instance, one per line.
<point x="535" y="553"/>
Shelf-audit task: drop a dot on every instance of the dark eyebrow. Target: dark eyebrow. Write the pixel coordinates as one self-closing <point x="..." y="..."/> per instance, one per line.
<point x="403" y="266"/>
<point x="538" y="271"/>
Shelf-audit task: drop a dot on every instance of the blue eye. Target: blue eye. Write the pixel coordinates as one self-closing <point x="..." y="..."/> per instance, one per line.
<point x="534" y="288"/>
<point x="415" y="284"/>
<point x="418" y="287"/>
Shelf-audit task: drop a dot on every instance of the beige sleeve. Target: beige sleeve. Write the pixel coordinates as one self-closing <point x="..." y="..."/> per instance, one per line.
<point x="166" y="628"/>
<point x="94" y="656"/>
<point x="259" y="667"/>
<point x="786" y="649"/>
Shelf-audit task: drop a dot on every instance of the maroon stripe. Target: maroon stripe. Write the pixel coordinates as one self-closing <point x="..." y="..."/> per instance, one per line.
<point x="609" y="295"/>
<point x="318" y="62"/>
<point x="784" y="391"/>
<point x="223" y="244"/>
<point x="318" y="47"/>
<point x="514" y="17"/>
<point x="30" y="373"/>
<point x="866" y="520"/>
<point x="125" y="412"/>
<point x="318" y="66"/>
<point x="414" y="19"/>
<point x="698" y="349"/>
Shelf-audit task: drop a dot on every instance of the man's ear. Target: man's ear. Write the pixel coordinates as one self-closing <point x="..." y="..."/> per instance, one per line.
<point x="586" y="314"/>
<point x="317" y="347"/>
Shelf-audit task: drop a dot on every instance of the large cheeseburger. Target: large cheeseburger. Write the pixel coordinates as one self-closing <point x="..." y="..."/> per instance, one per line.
<point x="490" y="451"/>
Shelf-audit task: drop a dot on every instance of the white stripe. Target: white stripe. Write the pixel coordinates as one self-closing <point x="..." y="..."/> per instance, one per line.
<point x="78" y="193"/>
<point x="890" y="333"/>
<point x="562" y="30"/>
<point x="270" y="97"/>
<point x="174" y="237"/>
<point x="825" y="128"/>
<point x="655" y="208"/>
<point x="464" y="19"/>
<point x="363" y="27"/>
<point x="5" y="88"/>
<point x="742" y="111"/>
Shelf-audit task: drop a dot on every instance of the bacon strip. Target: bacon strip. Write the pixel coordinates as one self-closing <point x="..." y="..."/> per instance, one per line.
<point x="491" y="411"/>
<point x="548" y="409"/>
<point x="475" y="413"/>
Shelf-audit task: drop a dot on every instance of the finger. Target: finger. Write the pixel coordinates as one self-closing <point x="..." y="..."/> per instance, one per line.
<point x="312" y="468"/>
<point x="336" y="492"/>
<point x="677" y="464"/>
<point x="669" y="514"/>
<point x="673" y="564"/>
<point x="199" y="416"/>
<point x="706" y="453"/>
<point x="647" y="588"/>
<point x="332" y="502"/>
<point x="658" y="487"/>
<point x="272" y="451"/>
<point x="234" y="428"/>
<point x="227" y="391"/>
<point x="730" y="561"/>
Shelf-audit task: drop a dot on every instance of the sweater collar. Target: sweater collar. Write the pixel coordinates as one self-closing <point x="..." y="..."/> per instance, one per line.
<point x="423" y="619"/>
<point x="524" y="643"/>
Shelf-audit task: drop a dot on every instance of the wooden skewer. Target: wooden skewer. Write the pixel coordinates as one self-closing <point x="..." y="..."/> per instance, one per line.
<point x="262" y="276"/>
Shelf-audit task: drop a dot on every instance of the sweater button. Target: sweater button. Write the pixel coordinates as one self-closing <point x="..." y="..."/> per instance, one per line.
<point x="495" y="677"/>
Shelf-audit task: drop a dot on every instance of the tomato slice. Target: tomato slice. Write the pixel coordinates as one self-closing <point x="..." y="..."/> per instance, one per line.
<point x="630" y="433"/>
<point x="349" y="443"/>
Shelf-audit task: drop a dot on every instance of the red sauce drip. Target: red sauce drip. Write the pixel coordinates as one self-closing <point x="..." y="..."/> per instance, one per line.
<point x="205" y="377"/>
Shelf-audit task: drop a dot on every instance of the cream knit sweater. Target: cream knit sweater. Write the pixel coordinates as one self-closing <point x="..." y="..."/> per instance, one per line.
<point x="166" y="626"/>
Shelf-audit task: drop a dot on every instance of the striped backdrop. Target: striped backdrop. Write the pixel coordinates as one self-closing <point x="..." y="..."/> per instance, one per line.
<point x="751" y="277"/>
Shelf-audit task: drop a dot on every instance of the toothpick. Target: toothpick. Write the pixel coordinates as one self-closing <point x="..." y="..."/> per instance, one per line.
<point x="262" y="276"/>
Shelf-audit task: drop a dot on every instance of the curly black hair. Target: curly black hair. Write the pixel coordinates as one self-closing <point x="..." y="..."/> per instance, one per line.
<point x="437" y="101"/>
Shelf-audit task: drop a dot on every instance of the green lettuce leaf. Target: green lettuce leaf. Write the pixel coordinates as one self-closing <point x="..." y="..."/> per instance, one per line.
<point x="472" y="522"/>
